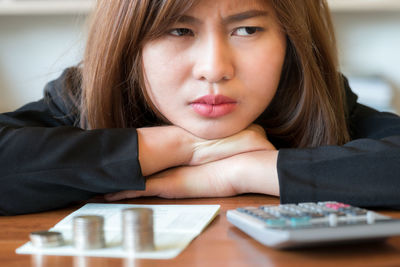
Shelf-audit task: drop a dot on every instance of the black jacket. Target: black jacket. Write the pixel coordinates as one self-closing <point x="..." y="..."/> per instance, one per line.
<point x="47" y="162"/>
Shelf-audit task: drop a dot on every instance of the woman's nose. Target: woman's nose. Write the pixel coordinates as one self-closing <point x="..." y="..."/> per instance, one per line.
<point x="214" y="61"/>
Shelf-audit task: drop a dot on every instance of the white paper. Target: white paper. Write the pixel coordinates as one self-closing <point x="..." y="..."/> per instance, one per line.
<point x="175" y="226"/>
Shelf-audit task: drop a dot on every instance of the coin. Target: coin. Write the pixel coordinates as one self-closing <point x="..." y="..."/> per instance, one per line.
<point x="88" y="232"/>
<point x="46" y="239"/>
<point x="137" y="229"/>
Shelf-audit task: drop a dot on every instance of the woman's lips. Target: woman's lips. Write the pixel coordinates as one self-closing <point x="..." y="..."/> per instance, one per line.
<point x="213" y="106"/>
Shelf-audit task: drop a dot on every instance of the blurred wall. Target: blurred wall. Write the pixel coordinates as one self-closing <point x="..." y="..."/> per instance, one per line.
<point x="34" y="50"/>
<point x="369" y="44"/>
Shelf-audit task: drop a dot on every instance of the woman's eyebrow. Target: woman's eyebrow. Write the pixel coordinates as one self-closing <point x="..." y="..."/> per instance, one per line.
<point x="229" y="19"/>
<point x="245" y="15"/>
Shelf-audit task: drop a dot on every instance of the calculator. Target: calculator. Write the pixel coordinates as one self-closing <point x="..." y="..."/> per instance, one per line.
<point x="312" y="223"/>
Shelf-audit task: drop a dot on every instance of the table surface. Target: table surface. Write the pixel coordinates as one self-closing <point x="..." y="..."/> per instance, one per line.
<point x="221" y="244"/>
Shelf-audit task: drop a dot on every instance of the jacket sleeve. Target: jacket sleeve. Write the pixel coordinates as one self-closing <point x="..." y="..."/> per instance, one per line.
<point x="46" y="162"/>
<point x="364" y="172"/>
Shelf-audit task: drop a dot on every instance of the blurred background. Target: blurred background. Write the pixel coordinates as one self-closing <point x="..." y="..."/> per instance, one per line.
<point x="38" y="39"/>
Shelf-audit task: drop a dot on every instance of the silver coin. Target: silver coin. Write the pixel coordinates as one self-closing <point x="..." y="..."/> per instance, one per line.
<point x="88" y="232"/>
<point x="138" y="217"/>
<point x="137" y="229"/>
<point x="46" y="239"/>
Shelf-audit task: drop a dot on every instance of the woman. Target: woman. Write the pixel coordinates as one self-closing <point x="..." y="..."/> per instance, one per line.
<point x="182" y="93"/>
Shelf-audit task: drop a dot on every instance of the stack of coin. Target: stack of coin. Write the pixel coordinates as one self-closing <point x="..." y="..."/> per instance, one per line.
<point x="137" y="229"/>
<point x="88" y="232"/>
<point x="46" y="239"/>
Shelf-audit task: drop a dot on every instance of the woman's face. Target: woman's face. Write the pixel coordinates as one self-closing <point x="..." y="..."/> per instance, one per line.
<point x="217" y="69"/>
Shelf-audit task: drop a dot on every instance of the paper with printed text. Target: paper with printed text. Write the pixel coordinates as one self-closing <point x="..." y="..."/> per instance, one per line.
<point x="175" y="226"/>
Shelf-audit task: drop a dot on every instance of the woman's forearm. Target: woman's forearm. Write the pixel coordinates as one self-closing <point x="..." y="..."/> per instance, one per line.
<point x="163" y="147"/>
<point x="252" y="172"/>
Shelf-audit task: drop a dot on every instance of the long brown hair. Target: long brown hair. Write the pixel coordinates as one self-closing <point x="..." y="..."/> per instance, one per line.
<point x="113" y="93"/>
<point x="308" y="109"/>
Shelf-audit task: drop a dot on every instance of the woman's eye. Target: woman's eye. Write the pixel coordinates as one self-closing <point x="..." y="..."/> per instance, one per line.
<point x="181" y="32"/>
<point x="246" y="31"/>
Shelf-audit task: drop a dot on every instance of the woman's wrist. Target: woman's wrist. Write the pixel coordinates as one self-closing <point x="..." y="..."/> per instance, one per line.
<point x="256" y="172"/>
<point x="163" y="147"/>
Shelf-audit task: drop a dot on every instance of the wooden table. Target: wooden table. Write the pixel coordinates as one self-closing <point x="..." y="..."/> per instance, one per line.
<point x="221" y="244"/>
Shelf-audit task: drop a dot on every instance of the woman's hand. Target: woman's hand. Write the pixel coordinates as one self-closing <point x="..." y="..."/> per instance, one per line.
<point x="250" y="139"/>
<point x="252" y="172"/>
<point x="161" y="148"/>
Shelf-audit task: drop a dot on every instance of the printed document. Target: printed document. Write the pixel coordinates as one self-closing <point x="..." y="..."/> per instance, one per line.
<point x="175" y="226"/>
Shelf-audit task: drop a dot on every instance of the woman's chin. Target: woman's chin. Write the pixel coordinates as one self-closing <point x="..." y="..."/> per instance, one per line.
<point x="211" y="134"/>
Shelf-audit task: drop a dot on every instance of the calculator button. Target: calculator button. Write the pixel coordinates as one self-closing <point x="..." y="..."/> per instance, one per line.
<point x="333" y="219"/>
<point x="308" y="206"/>
<point x="246" y="210"/>
<point x="336" y="206"/>
<point x="261" y="214"/>
<point x="315" y="215"/>
<point x="286" y="213"/>
<point x="370" y="217"/>
<point x="255" y="212"/>
<point x="277" y="222"/>
<point x="300" y="221"/>
<point x="287" y="206"/>
<point x="267" y="206"/>
<point x="357" y="211"/>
